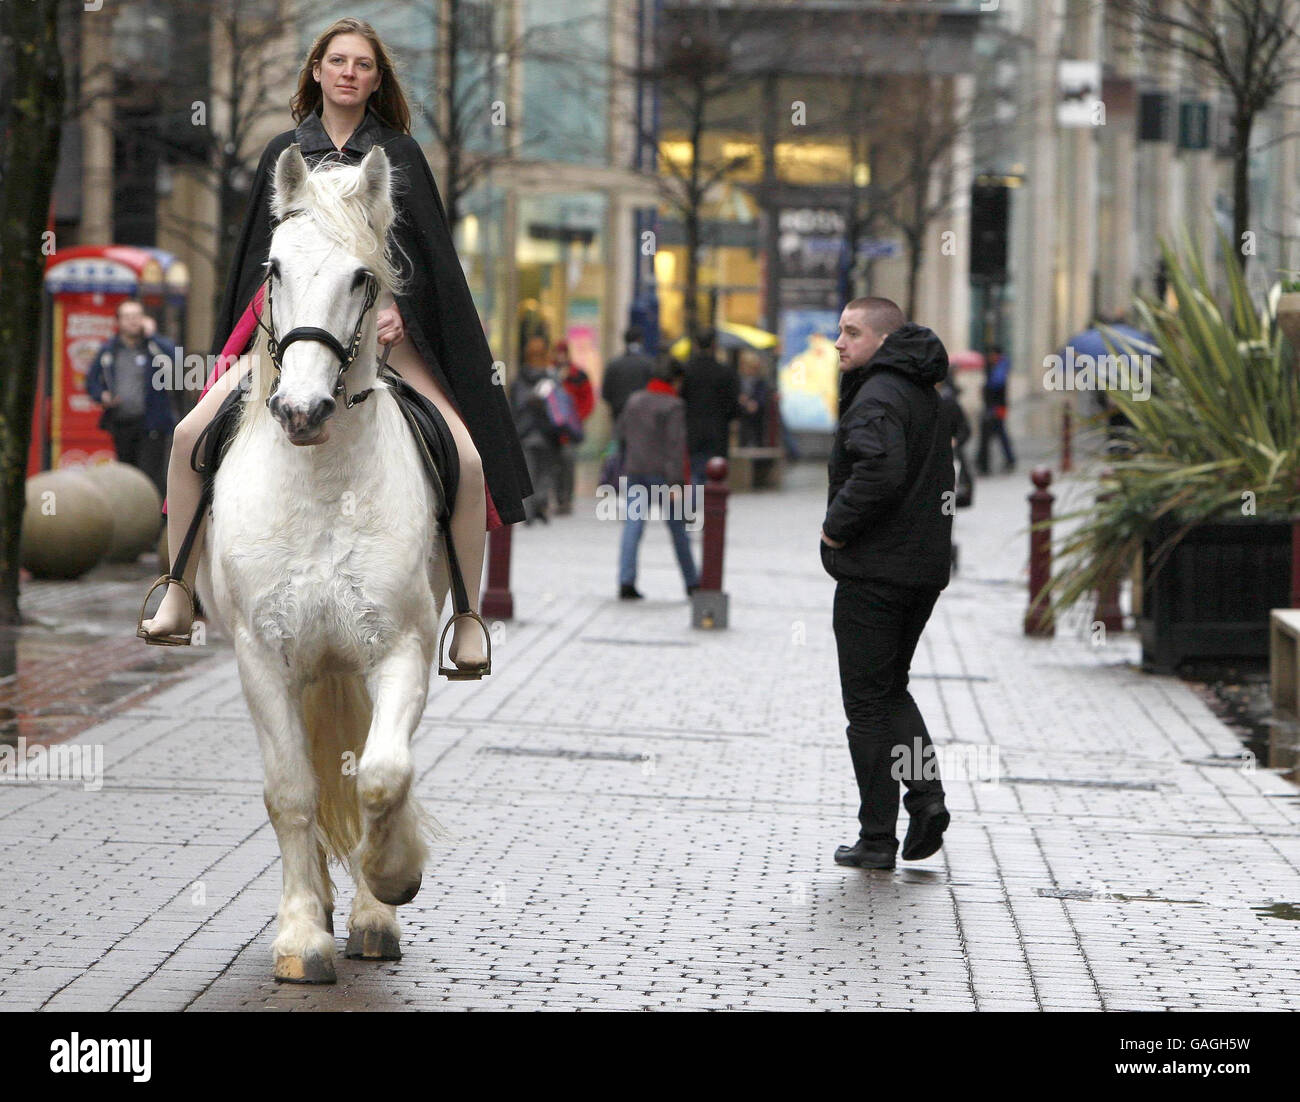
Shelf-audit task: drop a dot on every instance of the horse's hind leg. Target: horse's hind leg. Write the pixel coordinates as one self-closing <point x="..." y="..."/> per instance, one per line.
<point x="392" y="850"/>
<point x="373" y="933"/>
<point x="304" y="945"/>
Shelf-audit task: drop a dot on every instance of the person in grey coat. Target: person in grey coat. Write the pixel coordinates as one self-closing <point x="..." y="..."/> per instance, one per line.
<point x="652" y="431"/>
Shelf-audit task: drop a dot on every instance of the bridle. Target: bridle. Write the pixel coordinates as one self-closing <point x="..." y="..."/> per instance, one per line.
<point x="275" y="346"/>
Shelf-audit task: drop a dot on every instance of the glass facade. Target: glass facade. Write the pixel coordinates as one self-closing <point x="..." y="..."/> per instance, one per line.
<point x="566" y="98"/>
<point x="562" y="274"/>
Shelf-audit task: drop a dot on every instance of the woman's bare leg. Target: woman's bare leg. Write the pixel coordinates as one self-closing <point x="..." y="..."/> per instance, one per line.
<point x="469" y="518"/>
<point x="184" y="485"/>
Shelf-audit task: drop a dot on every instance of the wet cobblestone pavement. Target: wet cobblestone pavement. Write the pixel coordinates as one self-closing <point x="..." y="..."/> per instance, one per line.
<point x="644" y="815"/>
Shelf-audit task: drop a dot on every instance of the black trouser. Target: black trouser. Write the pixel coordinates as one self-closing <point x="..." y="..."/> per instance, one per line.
<point x="543" y="471"/>
<point x="992" y="426"/>
<point x="877" y="626"/>
<point x="141" y="447"/>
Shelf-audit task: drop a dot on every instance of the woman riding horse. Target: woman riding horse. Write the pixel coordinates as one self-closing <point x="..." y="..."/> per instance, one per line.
<point x="349" y="100"/>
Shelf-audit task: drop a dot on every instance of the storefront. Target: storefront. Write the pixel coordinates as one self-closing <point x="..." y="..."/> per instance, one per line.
<point x="562" y="273"/>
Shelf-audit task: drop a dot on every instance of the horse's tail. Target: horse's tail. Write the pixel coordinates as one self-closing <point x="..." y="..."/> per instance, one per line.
<point x="336" y="713"/>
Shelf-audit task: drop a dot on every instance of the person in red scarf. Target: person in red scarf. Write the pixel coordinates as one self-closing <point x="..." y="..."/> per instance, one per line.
<point x="652" y="431"/>
<point x="578" y="384"/>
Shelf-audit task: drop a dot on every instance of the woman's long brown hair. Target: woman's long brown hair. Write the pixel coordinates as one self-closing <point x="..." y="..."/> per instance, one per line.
<point x="387" y="101"/>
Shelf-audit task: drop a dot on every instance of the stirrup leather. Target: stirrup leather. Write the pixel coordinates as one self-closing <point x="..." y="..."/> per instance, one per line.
<point x="472" y="673"/>
<point x="173" y="640"/>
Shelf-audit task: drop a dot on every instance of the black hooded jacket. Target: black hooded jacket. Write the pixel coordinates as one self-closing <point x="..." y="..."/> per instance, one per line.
<point x="891" y="473"/>
<point x="436" y="306"/>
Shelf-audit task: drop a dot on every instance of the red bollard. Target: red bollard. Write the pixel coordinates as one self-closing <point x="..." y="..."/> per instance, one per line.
<point x="498" y="602"/>
<point x="709" y="603"/>
<point x="1107" y="611"/>
<point x="1067" y="463"/>
<point x="1038" y="618"/>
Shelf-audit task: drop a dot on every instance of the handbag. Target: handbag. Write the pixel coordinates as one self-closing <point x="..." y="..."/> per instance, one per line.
<point x="563" y="415"/>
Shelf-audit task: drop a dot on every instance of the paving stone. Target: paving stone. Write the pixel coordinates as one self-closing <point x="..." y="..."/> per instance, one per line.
<point x="643" y="815"/>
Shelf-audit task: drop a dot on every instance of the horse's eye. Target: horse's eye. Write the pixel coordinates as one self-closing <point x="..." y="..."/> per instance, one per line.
<point x="362" y="277"/>
<point x="273" y="268"/>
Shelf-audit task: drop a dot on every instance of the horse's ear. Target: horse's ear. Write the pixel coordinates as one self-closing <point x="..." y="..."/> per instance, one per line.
<point x="376" y="174"/>
<point x="290" y="176"/>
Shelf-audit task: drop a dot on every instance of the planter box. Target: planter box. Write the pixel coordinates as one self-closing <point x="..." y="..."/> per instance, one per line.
<point x="1213" y="596"/>
<point x="1288" y="317"/>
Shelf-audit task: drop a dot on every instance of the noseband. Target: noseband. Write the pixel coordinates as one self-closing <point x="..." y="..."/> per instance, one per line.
<point x="276" y="346"/>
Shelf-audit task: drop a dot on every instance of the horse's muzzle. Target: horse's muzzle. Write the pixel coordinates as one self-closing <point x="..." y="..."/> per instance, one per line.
<point x="302" y="424"/>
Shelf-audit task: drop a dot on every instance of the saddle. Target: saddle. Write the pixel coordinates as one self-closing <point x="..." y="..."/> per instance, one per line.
<point x="438" y="455"/>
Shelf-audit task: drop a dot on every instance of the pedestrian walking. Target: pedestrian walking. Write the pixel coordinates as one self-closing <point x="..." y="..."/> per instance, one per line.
<point x="537" y="431"/>
<point x="754" y="396"/>
<point x="958" y="428"/>
<point x="578" y="385"/>
<point x="349" y="100"/>
<point x="652" y="432"/>
<point x="628" y="373"/>
<point x="137" y="414"/>
<point x="886" y="541"/>
<point x="993" y="422"/>
<point x="712" y="393"/>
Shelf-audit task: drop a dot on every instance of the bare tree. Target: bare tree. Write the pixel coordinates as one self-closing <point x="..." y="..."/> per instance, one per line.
<point x="922" y="136"/>
<point x="1248" y="46"/>
<point x="31" y="109"/>
<point x="474" y="52"/>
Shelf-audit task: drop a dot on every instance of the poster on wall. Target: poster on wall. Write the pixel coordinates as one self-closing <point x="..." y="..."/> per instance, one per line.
<point x="82" y="323"/>
<point x="811" y="243"/>
<point x="810" y="379"/>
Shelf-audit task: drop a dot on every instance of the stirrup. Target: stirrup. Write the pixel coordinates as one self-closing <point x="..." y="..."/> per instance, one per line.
<point x="470" y="673"/>
<point x="173" y="640"/>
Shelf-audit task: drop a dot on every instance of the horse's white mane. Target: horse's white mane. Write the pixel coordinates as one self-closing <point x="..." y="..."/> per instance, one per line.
<point x="330" y="198"/>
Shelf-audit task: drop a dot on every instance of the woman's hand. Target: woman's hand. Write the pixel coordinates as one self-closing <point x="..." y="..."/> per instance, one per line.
<point x="837" y="544"/>
<point x="391" y="329"/>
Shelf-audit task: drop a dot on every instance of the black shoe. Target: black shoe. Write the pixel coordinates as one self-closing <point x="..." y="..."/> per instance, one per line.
<point x="866" y="854"/>
<point x="925" y="832"/>
<point x="629" y="593"/>
<point x="690" y="590"/>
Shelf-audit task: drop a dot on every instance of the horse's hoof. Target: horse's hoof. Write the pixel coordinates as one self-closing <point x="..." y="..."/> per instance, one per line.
<point x="402" y="895"/>
<point x="313" y="968"/>
<point x="373" y="945"/>
<point x="329" y="922"/>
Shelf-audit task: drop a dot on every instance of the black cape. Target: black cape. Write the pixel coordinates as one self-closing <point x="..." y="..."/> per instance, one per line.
<point x="437" y="309"/>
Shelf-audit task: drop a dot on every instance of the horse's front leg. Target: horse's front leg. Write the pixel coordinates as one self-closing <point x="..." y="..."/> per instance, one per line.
<point x="304" y="944"/>
<point x="392" y="850"/>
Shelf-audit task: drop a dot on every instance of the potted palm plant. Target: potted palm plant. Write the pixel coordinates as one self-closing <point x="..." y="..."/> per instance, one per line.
<point x="1202" y="481"/>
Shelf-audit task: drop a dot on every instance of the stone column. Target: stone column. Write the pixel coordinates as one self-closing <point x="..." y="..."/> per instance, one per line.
<point x="1034" y="332"/>
<point x="97" y="129"/>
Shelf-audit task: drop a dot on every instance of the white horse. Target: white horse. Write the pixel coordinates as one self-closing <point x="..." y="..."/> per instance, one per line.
<point x="322" y="563"/>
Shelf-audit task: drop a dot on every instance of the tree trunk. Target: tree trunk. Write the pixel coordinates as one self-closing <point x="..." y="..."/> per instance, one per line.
<point x="913" y="272"/>
<point x="30" y="128"/>
<point x="692" y="303"/>
<point x="1241" y="183"/>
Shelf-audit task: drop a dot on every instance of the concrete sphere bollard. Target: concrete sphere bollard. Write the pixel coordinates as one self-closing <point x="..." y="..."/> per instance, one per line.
<point x="134" y="504"/>
<point x="67" y="526"/>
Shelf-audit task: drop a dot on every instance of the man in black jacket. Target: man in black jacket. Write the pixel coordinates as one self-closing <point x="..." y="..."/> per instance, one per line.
<point x="886" y="541"/>
<point x="629" y="373"/>
<point x="712" y="393"/>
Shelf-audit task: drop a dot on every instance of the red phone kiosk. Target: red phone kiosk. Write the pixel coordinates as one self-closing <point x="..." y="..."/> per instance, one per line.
<point x="85" y="284"/>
